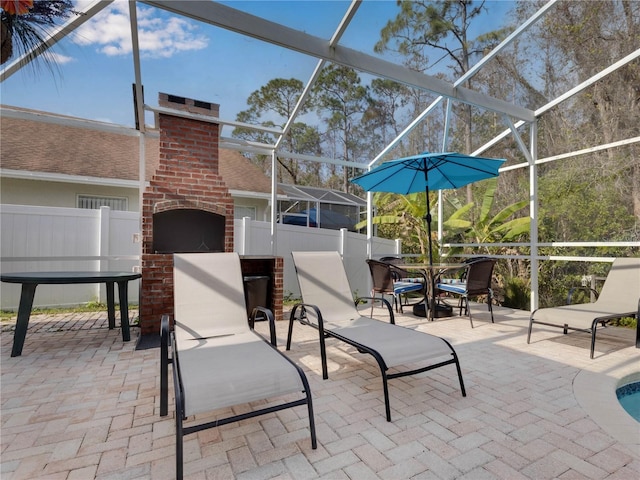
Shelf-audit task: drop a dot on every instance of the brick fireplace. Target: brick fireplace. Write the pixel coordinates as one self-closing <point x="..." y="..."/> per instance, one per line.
<point x="187" y="208"/>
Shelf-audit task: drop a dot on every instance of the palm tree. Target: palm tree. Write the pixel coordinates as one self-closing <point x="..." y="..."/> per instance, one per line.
<point x="25" y="23"/>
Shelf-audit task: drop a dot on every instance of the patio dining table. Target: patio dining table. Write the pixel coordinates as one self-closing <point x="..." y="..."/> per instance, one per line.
<point x="30" y="280"/>
<point x="431" y="271"/>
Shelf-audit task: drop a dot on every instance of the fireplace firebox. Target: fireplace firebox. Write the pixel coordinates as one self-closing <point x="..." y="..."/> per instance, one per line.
<point x="188" y="231"/>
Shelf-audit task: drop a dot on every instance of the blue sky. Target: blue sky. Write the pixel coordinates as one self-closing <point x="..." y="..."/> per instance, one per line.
<point x="186" y="58"/>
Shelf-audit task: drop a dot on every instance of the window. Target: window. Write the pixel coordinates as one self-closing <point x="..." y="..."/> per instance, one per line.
<point x="91" y="202"/>
<point x="241" y="212"/>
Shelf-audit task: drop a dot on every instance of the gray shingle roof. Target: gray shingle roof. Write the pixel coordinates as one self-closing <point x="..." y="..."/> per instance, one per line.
<point x="38" y="146"/>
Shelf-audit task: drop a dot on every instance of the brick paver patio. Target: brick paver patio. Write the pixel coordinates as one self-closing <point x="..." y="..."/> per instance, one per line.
<point x="81" y="404"/>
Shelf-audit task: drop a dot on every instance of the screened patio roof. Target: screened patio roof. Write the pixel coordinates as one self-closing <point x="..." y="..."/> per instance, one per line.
<point x="322" y="195"/>
<point x="287" y="28"/>
<point x="315" y="49"/>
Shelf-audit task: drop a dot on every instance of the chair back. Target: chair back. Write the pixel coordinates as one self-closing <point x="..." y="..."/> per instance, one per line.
<point x="399" y="273"/>
<point x="622" y="286"/>
<point x="463" y="273"/>
<point x="381" y="276"/>
<point x="479" y="275"/>
<point x="208" y="294"/>
<point x="323" y="282"/>
<point x="392" y="260"/>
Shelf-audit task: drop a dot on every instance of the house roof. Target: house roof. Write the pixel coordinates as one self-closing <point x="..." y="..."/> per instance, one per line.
<point x="322" y="195"/>
<point x="35" y="142"/>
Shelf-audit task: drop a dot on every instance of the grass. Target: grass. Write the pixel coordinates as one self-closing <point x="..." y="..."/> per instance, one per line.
<point x="6" y="315"/>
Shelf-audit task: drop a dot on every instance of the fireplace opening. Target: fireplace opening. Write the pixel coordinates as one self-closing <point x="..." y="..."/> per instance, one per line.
<point x="188" y="231"/>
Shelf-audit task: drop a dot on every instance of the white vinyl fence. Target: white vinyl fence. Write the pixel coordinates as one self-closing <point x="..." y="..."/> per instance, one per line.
<point x="40" y="239"/>
<point x="253" y="238"/>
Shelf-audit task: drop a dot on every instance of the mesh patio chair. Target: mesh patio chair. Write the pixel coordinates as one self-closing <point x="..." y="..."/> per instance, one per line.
<point x="329" y="307"/>
<point x="390" y="280"/>
<point x="475" y="281"/>
<point x="618" y="298"/>
<point x="218" y="360"/>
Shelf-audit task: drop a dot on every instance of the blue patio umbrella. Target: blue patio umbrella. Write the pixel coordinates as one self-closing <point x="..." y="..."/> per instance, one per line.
<point x="428" y="171"/>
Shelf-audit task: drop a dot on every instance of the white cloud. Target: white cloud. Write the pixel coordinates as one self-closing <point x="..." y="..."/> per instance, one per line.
<point x="158" y="36"/>
<point x="60" y="59"/>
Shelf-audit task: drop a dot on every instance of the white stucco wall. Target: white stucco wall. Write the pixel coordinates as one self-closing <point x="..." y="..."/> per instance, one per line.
<point x="17" y="191"/>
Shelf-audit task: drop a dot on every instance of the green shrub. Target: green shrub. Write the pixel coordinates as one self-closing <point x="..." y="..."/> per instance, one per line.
<point x="516" y="293"/>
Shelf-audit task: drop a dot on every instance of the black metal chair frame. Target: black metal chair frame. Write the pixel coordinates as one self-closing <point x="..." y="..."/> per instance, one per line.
<point x="298" y="313"/>
<point x="472" y="290"/>
<point x="603" y="317"/>
<point x="166" y="339"/>
<point x="603" y="320"/>
<point x="392" y="274"/>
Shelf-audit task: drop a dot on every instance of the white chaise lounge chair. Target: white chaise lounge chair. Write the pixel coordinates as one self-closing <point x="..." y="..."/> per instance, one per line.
<point x="218" y="361"/>
<point x="328" y="306"/>
<point x="618" y="298"/>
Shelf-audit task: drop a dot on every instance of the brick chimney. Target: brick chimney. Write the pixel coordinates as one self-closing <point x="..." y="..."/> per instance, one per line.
<point x="187" y="206"/>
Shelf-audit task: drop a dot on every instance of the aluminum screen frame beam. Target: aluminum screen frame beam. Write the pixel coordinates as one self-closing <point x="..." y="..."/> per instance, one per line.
<point x="255" y="27"/>
<point x="54" y="37"/>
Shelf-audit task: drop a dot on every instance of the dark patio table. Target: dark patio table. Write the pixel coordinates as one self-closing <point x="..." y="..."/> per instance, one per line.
<point x="30" y="280"/>
<point x="431" y="271"/>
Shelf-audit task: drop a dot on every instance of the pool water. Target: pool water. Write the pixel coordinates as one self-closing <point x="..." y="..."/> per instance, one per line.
<point x="629" y="397"/>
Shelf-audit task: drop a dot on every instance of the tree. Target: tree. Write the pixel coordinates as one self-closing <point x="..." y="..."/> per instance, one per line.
<point x="571" y="45"/>
<point x="386" y="101"/>
<point x="606" y="31"/>
<point x="24" y="28"/>
<point x="340" y="95"/>
<point x="441" y="27"/>
<point x="272" y="105"/>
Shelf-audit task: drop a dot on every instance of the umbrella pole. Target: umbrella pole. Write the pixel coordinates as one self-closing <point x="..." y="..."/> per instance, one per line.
<point x="431" y="302"/>
<point x="427" y="217"/>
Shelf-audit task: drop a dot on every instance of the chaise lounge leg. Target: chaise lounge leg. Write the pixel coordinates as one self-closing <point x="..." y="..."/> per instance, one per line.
<point x="179" y="399"/>
<point x="179" y="447"/>
<point x="312" y="423"/>
<point x="490" y="298"/>
<point x="164" y="366"/>
<point x="385" y="387"/>
<point x="179" y="427"/>
<point x="594" y="326"/>
<point x="462" y="389"/>
<point x="290" y="332"/>
<point x="323" y="355"/>
<point x="458" y="369"/>
<point x="530" y="326"/>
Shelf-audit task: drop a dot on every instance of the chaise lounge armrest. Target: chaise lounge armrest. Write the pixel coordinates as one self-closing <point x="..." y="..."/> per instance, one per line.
<point x="263" y="311"/>
<point x="383" y="301"/>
